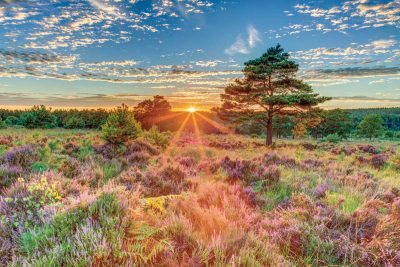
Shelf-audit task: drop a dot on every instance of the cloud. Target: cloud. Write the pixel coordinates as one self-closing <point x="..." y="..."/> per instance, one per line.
<point x="75" y="24"/>
<point x="105" y="7"/>
<point x="241" y="46"/>
<point x="254" y="36"/>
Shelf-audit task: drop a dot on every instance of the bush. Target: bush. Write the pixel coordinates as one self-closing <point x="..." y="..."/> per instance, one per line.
<point x="12" y="120"/>
<point x="21" y="157"/>
<point x="74" y="123"/>
<point x="269" y="175"/>
<point x="120" y="126"/>
<point x="379" y="160"/>
<point x="170" y="180"/>
<point x="70" y="168"/>
<point x="333" y="138"/>
<point x="38" y="117"/>
<point x="155" y="137"/>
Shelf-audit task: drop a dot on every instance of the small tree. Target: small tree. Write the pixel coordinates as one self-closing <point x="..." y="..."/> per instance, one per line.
<point x="120" y="126"/>
<point x="269" y="88"/>
<point x="38" y="117"/>
<point x="149" y="111"/>
<point x="371" y="126"/>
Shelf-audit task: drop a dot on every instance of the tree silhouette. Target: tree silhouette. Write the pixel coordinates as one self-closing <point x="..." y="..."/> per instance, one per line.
<point x="269" y="88"/>
<point x="149" y="111"/>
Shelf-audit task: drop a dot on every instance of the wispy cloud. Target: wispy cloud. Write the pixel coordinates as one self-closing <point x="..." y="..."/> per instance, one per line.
<point x="240" y="46"/>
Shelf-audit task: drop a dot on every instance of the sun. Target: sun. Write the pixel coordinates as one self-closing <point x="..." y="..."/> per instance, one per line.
<point x="192" y="109"/>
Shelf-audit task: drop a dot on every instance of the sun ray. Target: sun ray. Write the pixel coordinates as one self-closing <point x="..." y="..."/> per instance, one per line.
<point x="178" y="134"/>
<point x="198" y="136"/>
<point x="167" y="117"/>
<point x="217" y="125"/>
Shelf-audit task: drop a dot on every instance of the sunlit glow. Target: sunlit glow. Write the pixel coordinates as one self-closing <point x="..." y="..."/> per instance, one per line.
<point x="192" y="109"/>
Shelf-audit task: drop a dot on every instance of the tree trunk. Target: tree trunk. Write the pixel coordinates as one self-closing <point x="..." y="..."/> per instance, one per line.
<point x="268" y="141"/>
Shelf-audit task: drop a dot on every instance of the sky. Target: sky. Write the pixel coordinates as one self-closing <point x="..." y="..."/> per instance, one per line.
<point x="101" y="53"/>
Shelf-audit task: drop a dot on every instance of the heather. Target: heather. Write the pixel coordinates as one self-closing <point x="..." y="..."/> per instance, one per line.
<point x="71" y="198"/>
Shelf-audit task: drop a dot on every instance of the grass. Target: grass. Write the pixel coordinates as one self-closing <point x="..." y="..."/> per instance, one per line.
<point x="116" y="212"/>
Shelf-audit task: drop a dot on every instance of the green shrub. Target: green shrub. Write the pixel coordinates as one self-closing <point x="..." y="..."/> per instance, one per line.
<point x="39" y="167"/>
<point x="155" y="137"/>
<point x="74" y="123"/>
<point x="12" y="120"/>
<point x="38" y="117"/>
<point x="333" y="138"/>
<point x="120" y="126"/>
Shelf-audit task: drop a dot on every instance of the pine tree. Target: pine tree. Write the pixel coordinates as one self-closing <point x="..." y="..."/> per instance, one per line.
<point x="269" y="88"/>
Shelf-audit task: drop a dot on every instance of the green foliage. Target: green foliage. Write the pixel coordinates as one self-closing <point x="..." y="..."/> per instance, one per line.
<point x="75" y="237"/>
<point x="371" y="126"/>
<point x="111" y="169"/>
<point x="74" y="123"/>
<point x="12" y="120"/>
<point x="333" y="138"/>
<point x="269" y="88"/>
<point x="39" y="167"/>
<point x="120" y="126"/>
<point x="155" y="137"/>
<point x="3" y="124"/>
<point x="86" y="150"/>
<point x="38" y="117"/>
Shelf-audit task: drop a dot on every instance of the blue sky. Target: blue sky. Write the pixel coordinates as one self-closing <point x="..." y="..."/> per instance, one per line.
<point x="93" y="53"/>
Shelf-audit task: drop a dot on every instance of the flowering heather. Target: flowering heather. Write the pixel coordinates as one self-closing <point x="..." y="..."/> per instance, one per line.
<point x="71" y="167"/>
<point x="368" y="149"/>
<point x="269" y="175"/>
<point x="22" y="157"/>
<point x="239" y="169"/>
<point x="226" y="144"/>
<point x="6" y="140"/>
<point x="196" y="204"/>
<point x="320" y="190"/>
<point x="141" y="146"/>
<point x="311" y="164"/>
<point x="379" y="160"/>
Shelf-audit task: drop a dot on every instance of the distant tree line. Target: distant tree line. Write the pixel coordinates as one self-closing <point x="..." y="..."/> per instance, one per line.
<point x="336" y="123"/>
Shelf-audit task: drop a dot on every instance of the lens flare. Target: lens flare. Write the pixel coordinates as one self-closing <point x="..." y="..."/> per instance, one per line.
<point x="192" y="109"/>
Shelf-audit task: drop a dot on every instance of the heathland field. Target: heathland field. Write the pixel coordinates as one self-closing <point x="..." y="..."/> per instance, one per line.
<point x="70" y="199"/>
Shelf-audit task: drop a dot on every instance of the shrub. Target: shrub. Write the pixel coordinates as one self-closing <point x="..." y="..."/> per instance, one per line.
<point x="141" y="146"/>
<point x="8" y="174"/>
<point x="138" y="158"/>
<point x="120" y="126"/>
<point x="38" y="117"/>
<point x="74" y="123"/>
<point x="157" y="138"/>
<point x="239" y="169"/>
<point x="320" y="190"/>
<point x="77" y="237"/>
<point x="333" y="138"/>
<point x="168" y="181"/>
<point x="269" y="175"/>
<point x="70" y="167"/>
<point x="379" y="160"/>
<point x="11" y="120"/>
<point x="21" y="157"/>
<point x="368" y="149"/>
